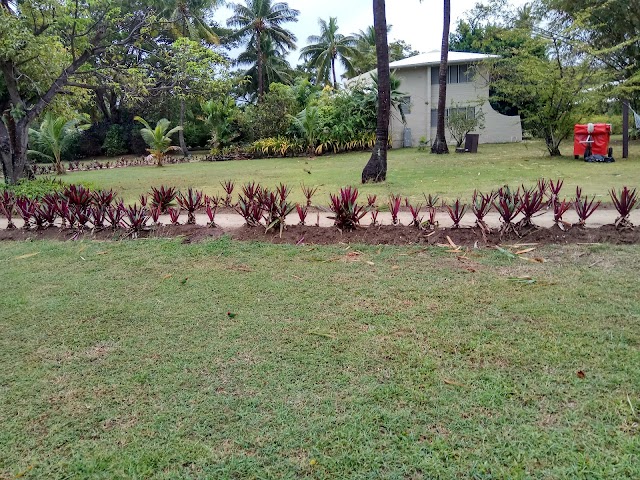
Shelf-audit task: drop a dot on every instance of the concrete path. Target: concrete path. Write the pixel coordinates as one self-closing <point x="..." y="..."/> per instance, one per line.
<point x="228" y="220"/>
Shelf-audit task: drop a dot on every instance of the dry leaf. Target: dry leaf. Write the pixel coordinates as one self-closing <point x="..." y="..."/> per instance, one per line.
<point x="395" y="267"/>
<point x="370" y="263"/>
<point x="453" y="382"/>
<point x="580" y="374"/>
<point x="27" y="255"/>
<point x="451" y="242"/>
<point x="526" y="250"/>
<point x="102" y="253"/>
<point x="167" y="276"/>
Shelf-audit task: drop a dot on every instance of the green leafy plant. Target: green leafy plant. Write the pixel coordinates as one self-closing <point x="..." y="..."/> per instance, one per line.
<point x="49" y="140"/>
<point x="159" y="138"/>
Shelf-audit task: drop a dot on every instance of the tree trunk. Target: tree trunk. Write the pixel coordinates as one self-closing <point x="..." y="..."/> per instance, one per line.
<point x="376" y="169"/>
<point x="260" y="79"/>
<point x="183" y="144"/>
<point x="14" y="139"/>
<point x="440" y="143"/>
<point x="333" y="70"/>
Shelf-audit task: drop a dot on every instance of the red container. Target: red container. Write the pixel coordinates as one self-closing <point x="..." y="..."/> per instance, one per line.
<point x="598" y="139"/>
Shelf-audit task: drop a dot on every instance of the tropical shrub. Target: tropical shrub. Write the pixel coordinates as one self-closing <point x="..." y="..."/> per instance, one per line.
<point x="159" y="138"/>
<point x="346" y="212"/>
<point x="584" y="207"/>
<point x="191" y="202"/>
<point x="624" y="201"/>
<point x="115" y="142"/>
<point x="162" y="197"/>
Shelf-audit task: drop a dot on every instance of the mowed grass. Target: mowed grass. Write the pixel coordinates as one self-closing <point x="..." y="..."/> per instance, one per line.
<point x="411" y="172"/>
<point x="395" y="363"/>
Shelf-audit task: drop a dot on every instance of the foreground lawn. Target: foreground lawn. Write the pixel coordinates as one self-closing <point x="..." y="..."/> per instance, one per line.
<point x="411" y="172"/>
<point x="117" y="360"/>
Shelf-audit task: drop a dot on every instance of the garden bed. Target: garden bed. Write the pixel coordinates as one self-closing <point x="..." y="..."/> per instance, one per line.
<point x="372" y="235"/>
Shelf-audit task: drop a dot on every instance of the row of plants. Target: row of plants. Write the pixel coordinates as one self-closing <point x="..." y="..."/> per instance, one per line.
<point x="80" y="208"/>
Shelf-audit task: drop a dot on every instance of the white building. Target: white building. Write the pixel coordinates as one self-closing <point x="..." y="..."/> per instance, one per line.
<point x="465" y="87"/>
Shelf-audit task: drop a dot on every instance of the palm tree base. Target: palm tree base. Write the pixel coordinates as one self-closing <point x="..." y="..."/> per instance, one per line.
<point x="375" y="170"/>
<point x="439" y="147"/>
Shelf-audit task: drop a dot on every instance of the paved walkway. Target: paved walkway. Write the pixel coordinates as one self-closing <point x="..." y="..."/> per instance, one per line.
<point x="227" y="220"/>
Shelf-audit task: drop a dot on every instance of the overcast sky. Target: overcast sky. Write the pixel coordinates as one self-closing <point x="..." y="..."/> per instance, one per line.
<point x="419" y="24"/>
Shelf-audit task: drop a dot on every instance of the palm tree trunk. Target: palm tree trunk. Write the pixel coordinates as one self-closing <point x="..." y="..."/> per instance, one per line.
<point x="333" y="71"/>
<point x="440" y="143"/>
<point x="376" y="169"/>
<point x="183" y="144"/>
<point x="260" y="79"/>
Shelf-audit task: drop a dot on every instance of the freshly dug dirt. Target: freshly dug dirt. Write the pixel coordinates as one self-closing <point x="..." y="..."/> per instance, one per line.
<point x="386" y="234"/>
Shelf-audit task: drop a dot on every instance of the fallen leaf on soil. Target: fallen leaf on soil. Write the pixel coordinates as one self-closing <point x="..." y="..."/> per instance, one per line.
<point x="451" y="242"/>
<point x="370" y="263"/>
<point x="580" y="374"/>
<point x="453" y="382"/>
<point x="395" y="267"/>
<point x="27" y="255"/>
<point x="167" y="276"/>
<point x="525" y="279"/>
<point x="102" y="253"/>
<point x="534" y="259"/>
<point x="241" y="268"/>
<point x="526" y="250"/>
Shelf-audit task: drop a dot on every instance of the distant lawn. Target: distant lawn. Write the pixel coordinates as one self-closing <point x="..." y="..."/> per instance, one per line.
<point x="411" y="173"/>
<point x="397" y="363"/>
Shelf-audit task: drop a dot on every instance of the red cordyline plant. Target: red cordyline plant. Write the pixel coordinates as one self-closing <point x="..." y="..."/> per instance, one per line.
<point x="143" y="199"/>
<point x="228" y="187"/>
<point x="416" y="219"/>
<point x="624" y="201"/>
<point x="250" y="210"/>
<point x="174" y="215"/>
<point x="280" y="207"/>
<point x="25" y="207"/>
<point x="251" y="191"/>
<point x="135" y="219"/>
<point x="154" y="213"/>
<point x="431" y="202"/>
<point x="373" y="208"/>
<point x="7" y="204"/>
<point x="508" y="206"/>
<point x="162" y="197"/>
<point x="395" y="201"/>
<point x="559" y="209"/>
<point x="46" y="211"/>
<point x="456" y="212"/>
<point x="191" y="202"/>
<point x="308" y="192"/>
<point x="98" y="215"/>
<point x="584" y="207"/>
<point x="346" y="212"/>
<point x="543" y="186"/>
<point x="211" y="208"/>
<point x="531" y="203"/>
<point x="480" y="206"/>
<point x="114" y="213"/>
<point x="103" y="198"/>
<point x="302" y="213"/>
<point x="554" y="190"/>
<point x="78" y="196"/>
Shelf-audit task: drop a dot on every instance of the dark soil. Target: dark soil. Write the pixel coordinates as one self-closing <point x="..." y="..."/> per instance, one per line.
<point x="386" y="234"/>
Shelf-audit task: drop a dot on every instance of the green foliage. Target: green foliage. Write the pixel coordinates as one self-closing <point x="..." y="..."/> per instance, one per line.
<point x="37" y="188"/>
<point x="461" y="120"/>
<point x="275" y="147"/>
<point x="272" y="116"/>
<point x="220" y="116"/>
<point x="115" y="142"/>
<point x="325" y="49"/>
<point x="49" y="140"/>
<point x="159" y="138"/>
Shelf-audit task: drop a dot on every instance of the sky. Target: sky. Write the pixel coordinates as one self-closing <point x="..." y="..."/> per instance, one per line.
<point x="419" y="24"/>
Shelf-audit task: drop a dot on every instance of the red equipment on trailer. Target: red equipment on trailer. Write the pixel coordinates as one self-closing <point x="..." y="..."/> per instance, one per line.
<point x="594" y="135"/>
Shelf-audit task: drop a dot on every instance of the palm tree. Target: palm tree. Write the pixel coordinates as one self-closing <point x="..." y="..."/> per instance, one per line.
<point x="262" y="18"/>
<point x="324" y="49"/>
<point x="440" y="143"/>
<point x="158" y="138"/>
<point x="187" y="18"/>
<point x="275" y="67"/>
<point x="50" y="139"/>
<point x="376" y="168"/>
<point x="219" y="116"/>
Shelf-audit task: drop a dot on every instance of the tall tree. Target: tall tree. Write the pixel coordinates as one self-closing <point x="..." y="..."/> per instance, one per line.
<point x="259" y="18"/>
<point x="187" y="19"/>
<point x="275" y="67"/>
<point x="364" y="58"/>
<point x="325" y="49"/>
<point x="440" y="142"/>
<point x="376" y="168"/>
<point x="72" y="36"/>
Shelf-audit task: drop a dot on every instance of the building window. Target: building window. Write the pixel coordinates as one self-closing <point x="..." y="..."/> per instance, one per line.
<point x="455" y="74"/>
<point x="405" y="105"/>
<point x="469" y="111"/>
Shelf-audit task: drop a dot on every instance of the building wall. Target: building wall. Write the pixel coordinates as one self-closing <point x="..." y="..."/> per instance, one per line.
<point x="416" y="82"/>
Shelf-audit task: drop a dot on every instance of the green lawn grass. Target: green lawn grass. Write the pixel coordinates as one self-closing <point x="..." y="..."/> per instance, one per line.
<point x="411" y="172"/>
<point x="398" y="363"/>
